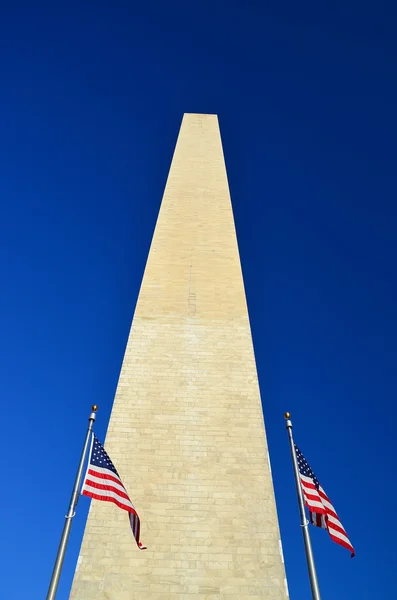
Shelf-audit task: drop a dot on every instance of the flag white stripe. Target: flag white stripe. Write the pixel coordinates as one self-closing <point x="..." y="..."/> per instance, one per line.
<point x="108" y="494"/>
<point x="310" y="490"/>
<point x="321" y="502"/>
<point x="311" y="496"/>
<point x="312" y="493"/>
<point x="306" y="479"/>
<point x="109" y="482"/>
<point x="336" y="522"/>
<point x="314" y="520"/>
<point x="104" y="471"/>
<point x="328" y="505"/>
<point x="313" y="504"/>
<point x="339" y="535"/>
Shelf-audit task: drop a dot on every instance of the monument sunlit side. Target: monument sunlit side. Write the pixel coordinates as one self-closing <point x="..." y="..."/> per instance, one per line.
<point x="186" y="429"/>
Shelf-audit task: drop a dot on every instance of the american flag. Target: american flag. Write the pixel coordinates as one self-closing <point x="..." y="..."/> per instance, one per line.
<point x="322" y="513"/>
<point x="102" y="482"/>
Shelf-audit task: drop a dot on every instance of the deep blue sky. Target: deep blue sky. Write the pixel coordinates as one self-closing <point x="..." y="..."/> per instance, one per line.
<point x="92" y="95"/>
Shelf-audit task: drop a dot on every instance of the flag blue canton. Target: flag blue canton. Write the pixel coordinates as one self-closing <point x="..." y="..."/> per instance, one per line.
<point x="100" y="458"/>
<point x="304" y="468"/>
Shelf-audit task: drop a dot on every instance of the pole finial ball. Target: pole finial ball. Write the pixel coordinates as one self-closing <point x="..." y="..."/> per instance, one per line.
<point x="94" y="408"/>
<point x="287" y="415"/>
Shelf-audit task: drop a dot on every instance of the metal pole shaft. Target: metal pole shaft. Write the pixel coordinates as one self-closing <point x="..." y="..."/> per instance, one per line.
<point x="304" y="522"/>
<point x="56" y="573"/>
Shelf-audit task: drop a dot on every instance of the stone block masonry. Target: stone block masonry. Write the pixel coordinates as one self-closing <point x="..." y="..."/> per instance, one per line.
<point x="186" y="431"/>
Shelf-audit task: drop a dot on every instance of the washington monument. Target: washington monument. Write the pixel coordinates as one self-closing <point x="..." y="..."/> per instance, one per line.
<point x="186" y="430"/>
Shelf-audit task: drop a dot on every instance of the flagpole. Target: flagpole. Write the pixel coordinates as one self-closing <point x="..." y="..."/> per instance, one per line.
<point x="56" y="573"/>
<point x="304" y="522"/>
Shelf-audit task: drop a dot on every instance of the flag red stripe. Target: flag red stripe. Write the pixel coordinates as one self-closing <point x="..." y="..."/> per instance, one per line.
<point x="316" y="509"/>
<point x="314" y="497"/>
<point x="332" y="525"/>
<point x="104" y="476"/>
<point x="342" y="543"/>
<point x="310" y="489"/>
<point x="136" y="529"/>
<point x="319" y="522"/>
<point x="100" y="486"/>
<point x="326" y="510"/>
<point x="109" y="499"/>
<point x="309" y="485"/>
